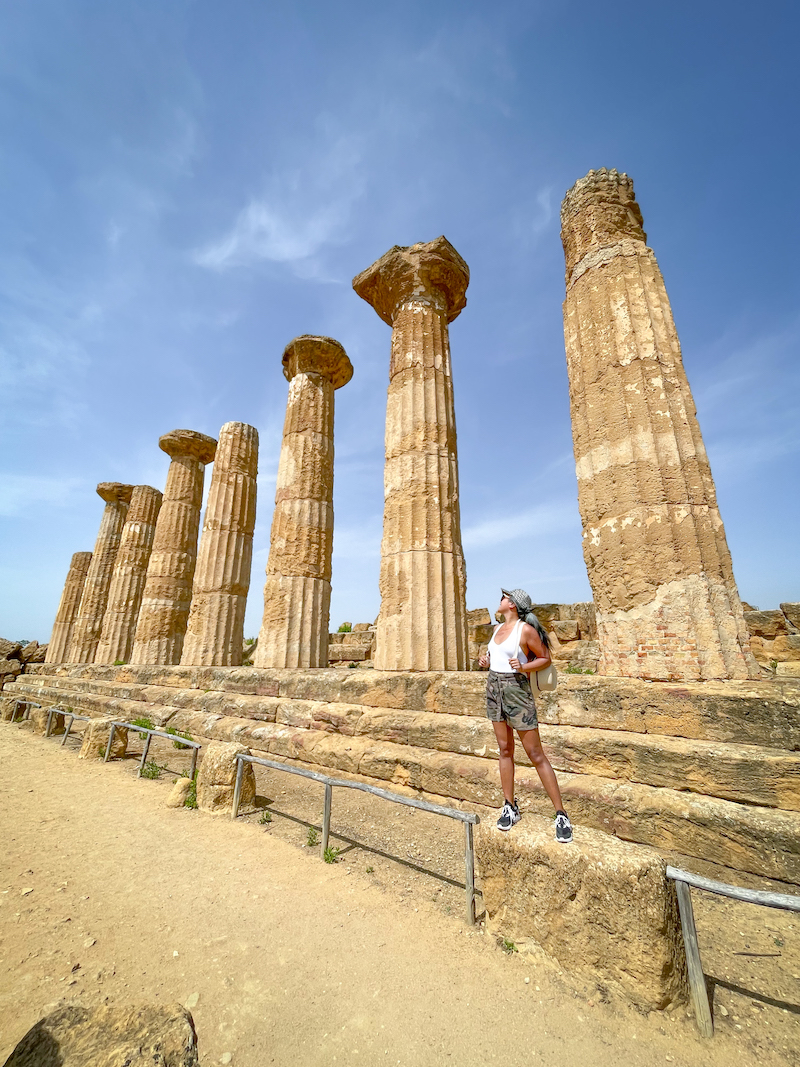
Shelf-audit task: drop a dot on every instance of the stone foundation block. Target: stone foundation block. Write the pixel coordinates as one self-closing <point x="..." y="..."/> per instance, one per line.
<point x="601" y="908"/>
<point x="216" y="779"/>
<point x="788" y="670"/>
<point x="178" y="793"/>
<point x="95" y="739"/>
<point x="38" y="720"/>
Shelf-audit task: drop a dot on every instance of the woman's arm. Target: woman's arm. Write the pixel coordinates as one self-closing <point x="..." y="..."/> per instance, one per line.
<point x="534" y="648"/>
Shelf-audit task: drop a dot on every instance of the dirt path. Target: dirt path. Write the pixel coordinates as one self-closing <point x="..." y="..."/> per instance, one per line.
<point x="106" y="894"/>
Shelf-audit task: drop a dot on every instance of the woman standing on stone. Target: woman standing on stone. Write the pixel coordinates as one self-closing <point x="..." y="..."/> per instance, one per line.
<point x="519" y="647"/>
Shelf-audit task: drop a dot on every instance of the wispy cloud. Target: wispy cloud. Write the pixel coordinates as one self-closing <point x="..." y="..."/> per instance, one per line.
<point x="19" y="492"/>
<point x="300" y="212"/>
<point x="532" y="522"/>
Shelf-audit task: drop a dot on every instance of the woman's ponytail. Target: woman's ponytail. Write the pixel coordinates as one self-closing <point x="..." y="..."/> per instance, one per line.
<point x="532" y="620"/>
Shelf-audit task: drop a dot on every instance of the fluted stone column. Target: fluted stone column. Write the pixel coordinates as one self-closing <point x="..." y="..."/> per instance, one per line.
<point x="168" y="587"/>
<point x="655" y="548"/>
<point x="89" y="620"/>
<point x="215" y="632"/>
<point x="297" y="594"/>
<point x="58" y="645"/>
<point x="422" y="623"/>
<point x="127" y="581"/>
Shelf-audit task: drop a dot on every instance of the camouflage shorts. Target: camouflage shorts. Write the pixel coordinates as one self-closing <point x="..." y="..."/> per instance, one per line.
<point x="509" y="699"/>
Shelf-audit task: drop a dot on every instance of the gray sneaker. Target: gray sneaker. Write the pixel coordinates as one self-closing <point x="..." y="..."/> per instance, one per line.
<point x="509" y="816"/>
<point x="563" y="828"/>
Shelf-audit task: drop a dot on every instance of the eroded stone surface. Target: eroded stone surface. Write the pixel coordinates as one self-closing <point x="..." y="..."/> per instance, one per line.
<point x="602" y="908"/>
<point x="422" y="624"/>
<point x="94" y="598"/>
<point x="654" y="544"/>
<point x="216" y="779"/>
<point x="167" y="595"/>
<point x="136" y="1035"/>
<point x="215" y="629"/>
<point x="95" y="740"/>
<point x="294" y="630"/>
<point x="128" y="578"/>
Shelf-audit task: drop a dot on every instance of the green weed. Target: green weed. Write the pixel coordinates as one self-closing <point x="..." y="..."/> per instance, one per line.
<point x="147" y="724"/>
<point x="346" y="628"/>
<point x="370" y="870"/>
<point x="313" y="837"/>
<point x="569" y="669"/>
<point x="177" y="733"/>
<point x="191" y="795"/>
<point x="119" y="663"/>
<point x="508" y="946"/>
<point x="151" y="770"/>
<point x="266" y="817"/>
<point x="331" y="855"/>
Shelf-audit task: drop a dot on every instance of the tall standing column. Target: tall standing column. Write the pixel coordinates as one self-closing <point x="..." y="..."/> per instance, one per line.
<point x="58" y="645"/>
<point x="168" y="587"/>
<point x="215" y="631"/>
<point x="422" y="623"/>
<point x="89" y="620"/>
<point x="655" y="548"/>
<point x="127" y="581"/>
<point x="297" y="594"/>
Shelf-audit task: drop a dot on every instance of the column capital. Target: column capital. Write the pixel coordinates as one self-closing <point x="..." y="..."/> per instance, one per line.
<point x="600" y="209"/>
<point x="188" y="443"/>
<point x="317" y="355"/>
<point x="431" y="273"/>
<point x="111" y="491"/>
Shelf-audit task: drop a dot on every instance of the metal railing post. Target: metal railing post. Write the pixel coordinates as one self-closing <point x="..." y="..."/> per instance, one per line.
<point x="193" y="768"/>
<point x="110" y="742"/>
<point x="67" y="727"/>
<point x="469" y="870"/>
<point x="145" y="750"/>
<point x="326" y="821"/>
<point x="697" y="982"/>
<point x="237" y="789"/>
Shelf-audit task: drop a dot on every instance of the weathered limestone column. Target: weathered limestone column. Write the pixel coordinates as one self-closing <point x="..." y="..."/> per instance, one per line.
<point x="215" y="631"/>
<point x="89" y="620"/>
<point x="297" y="594"/>
<point x="58" y="645"/>
<point x="654" y="543"/>
<point x="423" y="619"/>
<point x="127" y="581"/>
<point x="168" y="586"/>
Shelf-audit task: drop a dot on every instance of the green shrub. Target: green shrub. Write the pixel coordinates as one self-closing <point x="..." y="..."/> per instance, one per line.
<point x="191" y="796"/>
<point x="346" y="628"/>
<point x="266" y="816"/>
<point x="151" y="770"/>
<point x="331" y="855"/>
<point x="177" y="733"/>
<point x="147" y="724"/>
<point x="313" y="837"/>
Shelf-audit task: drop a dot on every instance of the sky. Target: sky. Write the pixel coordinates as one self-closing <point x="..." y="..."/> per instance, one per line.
<point x="186" y="186"/>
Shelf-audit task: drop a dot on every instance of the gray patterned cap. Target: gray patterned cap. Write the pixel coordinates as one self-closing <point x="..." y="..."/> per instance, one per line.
<point x="521" y="601"/>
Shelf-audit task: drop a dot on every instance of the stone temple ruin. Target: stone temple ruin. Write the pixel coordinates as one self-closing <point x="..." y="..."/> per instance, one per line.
<point x="684" y="741"/>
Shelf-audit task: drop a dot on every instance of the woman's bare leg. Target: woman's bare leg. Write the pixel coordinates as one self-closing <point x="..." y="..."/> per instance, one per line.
<point x="505" y="742"/>
<point x="532" y="744"/>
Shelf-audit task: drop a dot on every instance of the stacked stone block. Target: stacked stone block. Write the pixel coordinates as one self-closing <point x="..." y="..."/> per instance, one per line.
<point x="64" y="624"/>
<point x="654" y="544"/>
<point x="297" y="593"/>
<point x="167" y="593"/>
<point x="89" y="620"/>
<point x="127" y="581"/>
<point x="215" y="630"/>
<point x="422" y="624"/>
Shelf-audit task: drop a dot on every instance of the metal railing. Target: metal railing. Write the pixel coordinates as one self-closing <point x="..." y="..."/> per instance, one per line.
<point x="151" y="732"/>
<point x="466" y="817"/>
<point x="698" y="990"/>
<point x="26" y="709"/>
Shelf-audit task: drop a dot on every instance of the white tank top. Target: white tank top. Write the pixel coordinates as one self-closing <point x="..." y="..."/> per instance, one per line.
<point x="499" y="655"/>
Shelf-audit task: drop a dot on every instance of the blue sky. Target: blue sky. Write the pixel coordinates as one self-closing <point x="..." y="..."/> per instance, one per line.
<point x="186" y="186"/>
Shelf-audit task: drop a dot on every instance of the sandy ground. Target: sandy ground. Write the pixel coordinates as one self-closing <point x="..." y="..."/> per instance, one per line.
<point x="105" y="894"/>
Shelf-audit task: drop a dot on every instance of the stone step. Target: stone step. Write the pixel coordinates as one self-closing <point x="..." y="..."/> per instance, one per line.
<point x="742" y="773"/>
<point x="755" y="713"/>
<point x="763" y="841"/>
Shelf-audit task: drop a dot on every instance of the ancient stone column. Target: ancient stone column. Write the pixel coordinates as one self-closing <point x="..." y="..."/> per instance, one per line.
<point x="297" y="594"/>
<point x="423" y="620"/>
<point x="168" y="587"/>
<point x="58" y="646"/>
<point x="653" y="540"/>
<point x="215" y="631"/>
<point x="127" y="581"/>
<point x="89" y="620"/>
